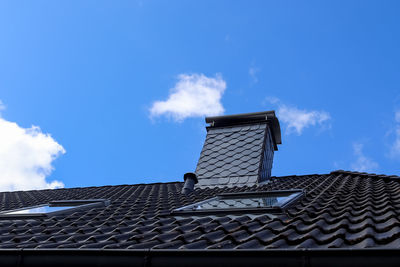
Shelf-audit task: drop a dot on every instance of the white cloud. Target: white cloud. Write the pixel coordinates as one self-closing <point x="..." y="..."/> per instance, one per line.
<point x="194" y="95"/>
<point x="26" y="155"/>
<point x="395" y="147"/>
<point x="362" y="163"/>
<point x="299" y="119"/>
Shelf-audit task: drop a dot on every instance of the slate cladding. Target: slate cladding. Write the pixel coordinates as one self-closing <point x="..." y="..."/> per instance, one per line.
<point x="340" y="210"/>
<point x="231" y="156"/>
<point x="238" y="150"/>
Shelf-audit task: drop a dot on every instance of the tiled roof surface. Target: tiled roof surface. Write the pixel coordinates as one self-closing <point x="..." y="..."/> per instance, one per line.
<point x="231" y="156"/>
<point x="340" y="210"/>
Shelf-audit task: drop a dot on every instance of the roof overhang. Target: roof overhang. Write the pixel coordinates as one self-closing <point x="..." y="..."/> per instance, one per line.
<point x="212" y="257"/>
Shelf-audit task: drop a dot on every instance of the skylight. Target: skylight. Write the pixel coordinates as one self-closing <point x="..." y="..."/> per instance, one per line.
<point x="54" y="207"/>
<point x="252" y="202"/>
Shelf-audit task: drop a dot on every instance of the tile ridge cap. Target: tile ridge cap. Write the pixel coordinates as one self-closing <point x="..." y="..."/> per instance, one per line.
<point x="301" y="175"/>
<point x="94" y="186"/>
<point x="372" y="175"/>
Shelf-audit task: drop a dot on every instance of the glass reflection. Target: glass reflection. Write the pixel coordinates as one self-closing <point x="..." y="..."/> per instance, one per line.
<point x="39" y="210"/>
<point x="245" y="202"/>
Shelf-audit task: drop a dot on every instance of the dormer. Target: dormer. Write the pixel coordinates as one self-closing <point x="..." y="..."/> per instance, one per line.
<point x="238" y="150"/>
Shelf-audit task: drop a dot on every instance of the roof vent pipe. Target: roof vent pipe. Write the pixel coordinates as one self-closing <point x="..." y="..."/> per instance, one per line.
<point x="190" y="180"/>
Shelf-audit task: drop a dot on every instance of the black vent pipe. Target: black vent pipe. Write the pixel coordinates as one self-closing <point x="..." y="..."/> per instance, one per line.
<point x="190" y="180"/>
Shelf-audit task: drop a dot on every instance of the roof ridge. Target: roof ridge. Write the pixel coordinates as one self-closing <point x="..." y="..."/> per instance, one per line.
<point x="302" y="175"/>
<point x="93" y="186"/>
<point x="372" y="175"/>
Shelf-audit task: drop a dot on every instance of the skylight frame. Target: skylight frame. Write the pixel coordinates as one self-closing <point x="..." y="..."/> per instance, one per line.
<point x="79" y="204"/>
<point x="297" y="194"/>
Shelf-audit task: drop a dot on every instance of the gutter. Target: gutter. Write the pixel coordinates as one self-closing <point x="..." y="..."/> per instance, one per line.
<point x="194" y="258"/>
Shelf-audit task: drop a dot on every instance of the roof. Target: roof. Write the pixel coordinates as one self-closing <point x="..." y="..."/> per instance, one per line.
<point x="340" y="210"/>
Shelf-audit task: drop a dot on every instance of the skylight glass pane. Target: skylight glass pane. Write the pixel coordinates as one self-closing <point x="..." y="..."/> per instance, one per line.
<point x="244" y="201"/>
<point x="54" y="207"/>
<point x="253" y="202"/>
<point x="39" y="210"/>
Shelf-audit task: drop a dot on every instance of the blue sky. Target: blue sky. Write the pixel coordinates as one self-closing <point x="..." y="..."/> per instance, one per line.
<point x="89" y="74"/>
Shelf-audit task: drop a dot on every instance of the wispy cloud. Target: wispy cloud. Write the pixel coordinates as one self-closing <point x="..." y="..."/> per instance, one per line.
<point x="362" y="162"/>
<point x="2" y="106"/>
<point x="26" y="156"/>
<point x="194" y="95"/>
<point x="297" y="120"/>
<point x="253" y="74"/>
<point x="227" y="37"/>
<point x="395" y="146"/>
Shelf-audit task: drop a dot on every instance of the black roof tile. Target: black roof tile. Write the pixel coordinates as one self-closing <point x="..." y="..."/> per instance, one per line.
<point x="141" y="245"/>
<point x="226" y="244"/>
<point x="251" y="244"/>
<point x="200" y="244"/>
